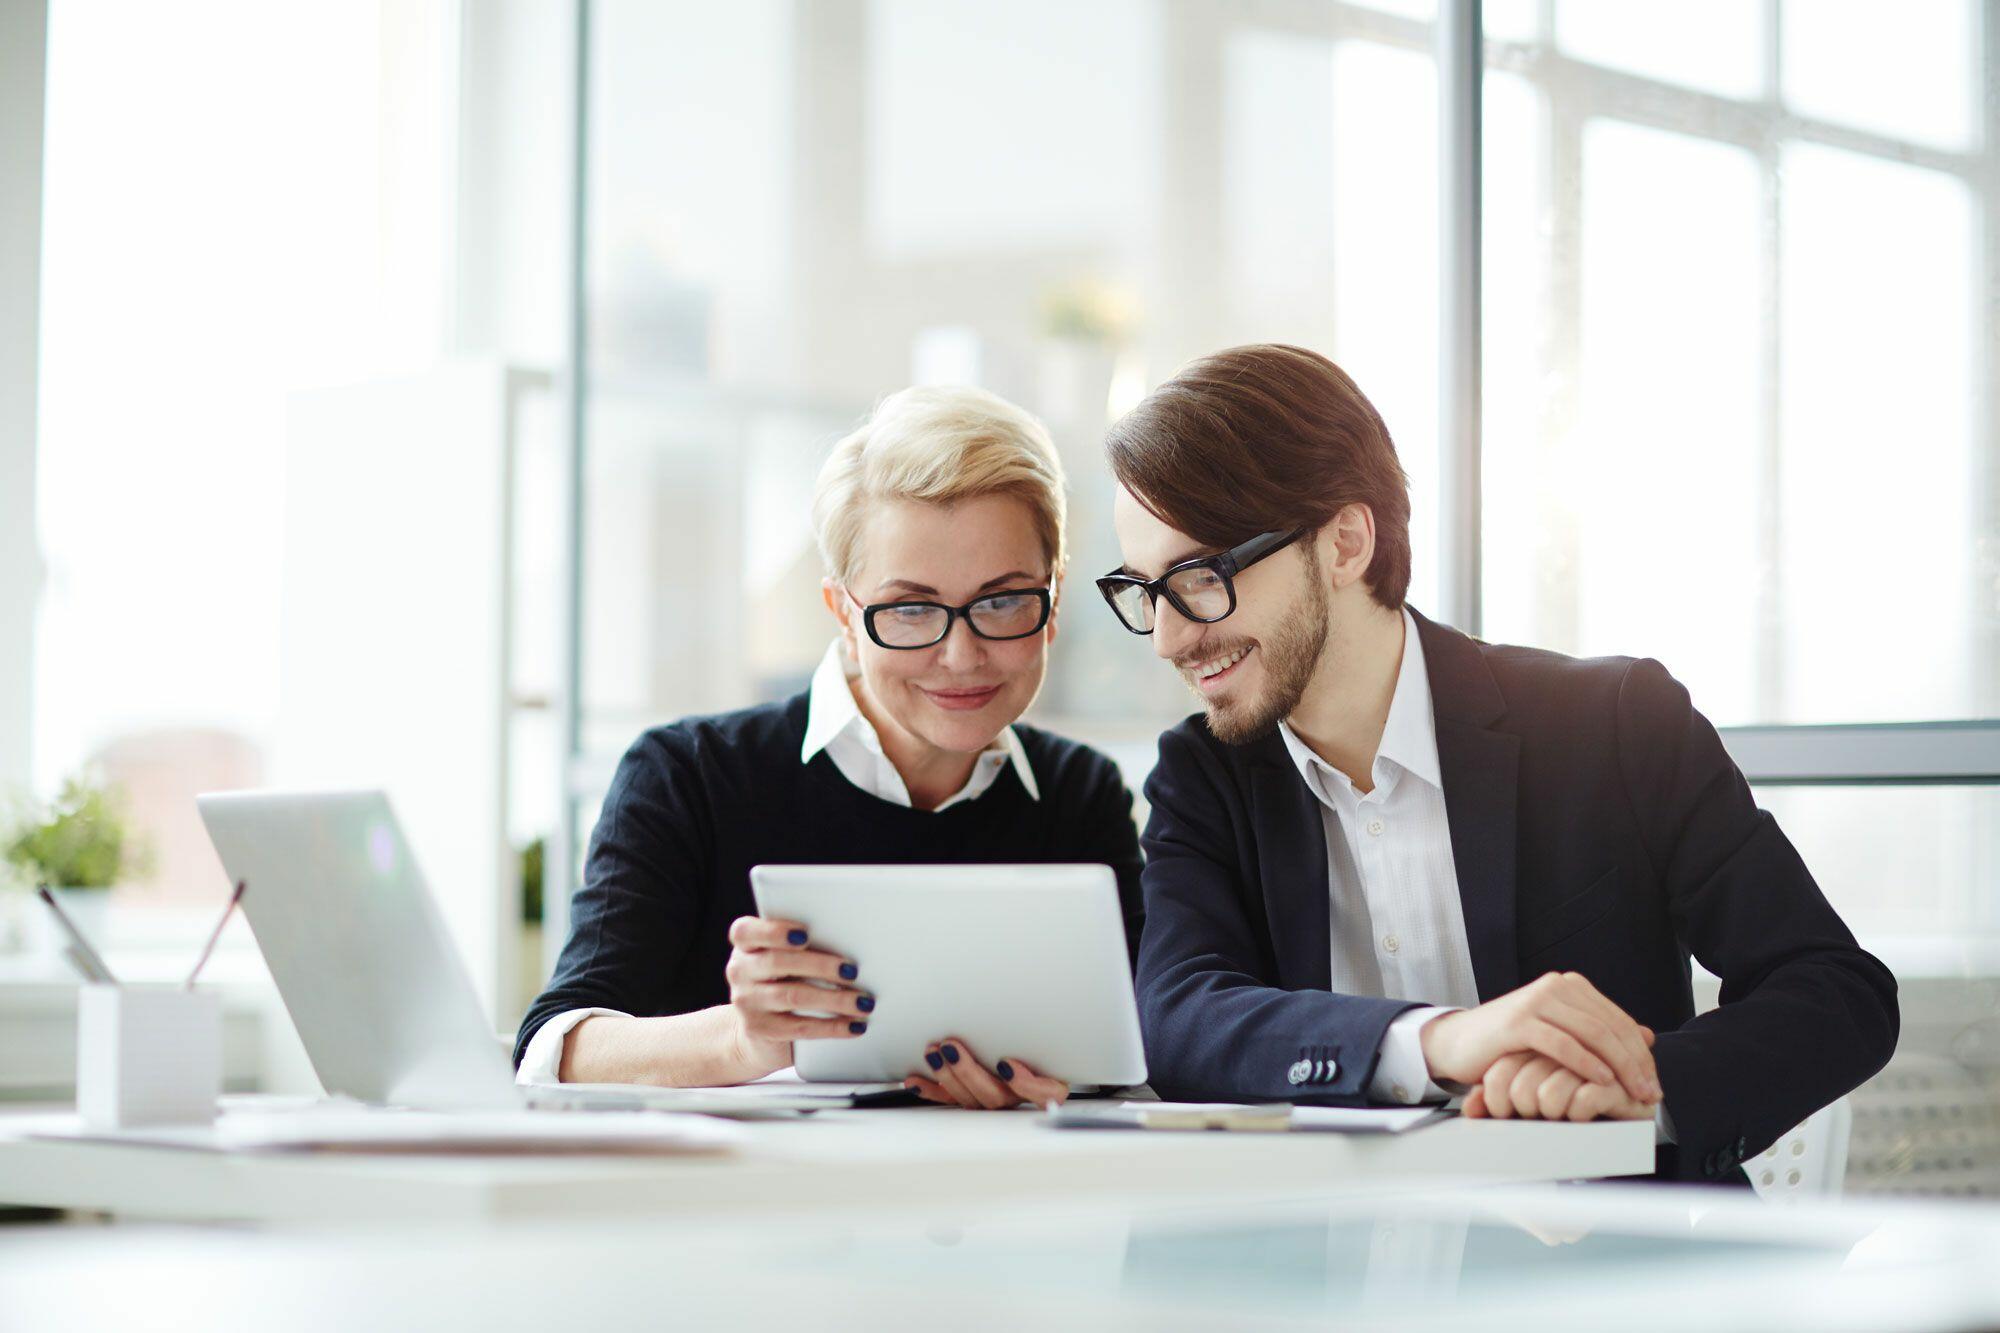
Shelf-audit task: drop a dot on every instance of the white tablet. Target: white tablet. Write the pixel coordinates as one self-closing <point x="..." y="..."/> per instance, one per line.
<point x="1021" y="961"/>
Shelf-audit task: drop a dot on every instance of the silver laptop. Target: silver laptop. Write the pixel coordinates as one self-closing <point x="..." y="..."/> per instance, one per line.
<point x="363" y="962"/>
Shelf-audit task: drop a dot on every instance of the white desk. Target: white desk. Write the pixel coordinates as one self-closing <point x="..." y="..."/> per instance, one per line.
<point x="1541" y="1258"/>
<point x="838" y="1161"/>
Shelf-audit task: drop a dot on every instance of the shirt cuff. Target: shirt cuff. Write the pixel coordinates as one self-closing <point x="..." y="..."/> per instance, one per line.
<point x="542" y="1061"/>
<point x="1401" y="1075"/>
<point x="1663" y="1125"/>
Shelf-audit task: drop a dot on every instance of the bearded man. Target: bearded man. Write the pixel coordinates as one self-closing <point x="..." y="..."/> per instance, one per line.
<point x="1388" y="862"/>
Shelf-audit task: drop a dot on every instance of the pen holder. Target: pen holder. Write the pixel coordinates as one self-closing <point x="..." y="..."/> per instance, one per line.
<point x="147" y="1055"/>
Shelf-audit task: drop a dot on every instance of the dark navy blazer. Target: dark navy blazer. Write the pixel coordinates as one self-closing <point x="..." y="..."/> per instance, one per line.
<point x="1597" y="826"/>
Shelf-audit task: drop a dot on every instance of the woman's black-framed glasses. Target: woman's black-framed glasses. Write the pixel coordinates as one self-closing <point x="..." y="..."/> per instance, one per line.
<point x="1013" y="614"/>
<point x="1202" y="589"/>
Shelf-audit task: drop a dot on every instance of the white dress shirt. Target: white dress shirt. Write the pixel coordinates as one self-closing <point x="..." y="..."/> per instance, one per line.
<point x="835" y="724"/>
<point x="1398" y="929"/>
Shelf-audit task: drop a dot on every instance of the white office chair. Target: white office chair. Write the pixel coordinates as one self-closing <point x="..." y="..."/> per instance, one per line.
<point x="1810" y="1162"/>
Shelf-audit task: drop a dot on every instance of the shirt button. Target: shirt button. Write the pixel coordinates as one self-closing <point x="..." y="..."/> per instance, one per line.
<point x="1399" y="1092"/>
<point x="1390" y="943"/>
<point x="1375" y="827"/>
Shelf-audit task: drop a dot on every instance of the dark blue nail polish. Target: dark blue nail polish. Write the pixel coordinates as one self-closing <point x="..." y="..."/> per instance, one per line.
<point x="934" y="1060"/>
<point x="865" y="1003"/>
<point x="857" y="1028"/>
<point x="849" y="971"/>
<point x="1005" y="1071"/>
<point x="797" y="937"/>
<point x="951" y="1053"/>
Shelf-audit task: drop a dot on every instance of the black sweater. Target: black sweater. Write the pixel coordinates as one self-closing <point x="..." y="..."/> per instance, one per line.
<point x="695" y="804"/>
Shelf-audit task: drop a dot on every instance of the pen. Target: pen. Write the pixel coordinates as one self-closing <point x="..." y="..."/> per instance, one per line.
<point x="75" y="960"/>
<point x="93" y="966"/>
<point x="209" y="948"/>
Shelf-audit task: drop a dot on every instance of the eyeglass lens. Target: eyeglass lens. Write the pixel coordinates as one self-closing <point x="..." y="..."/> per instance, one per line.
<point x="1202" y="591"/>
<point x="918" y="625"/>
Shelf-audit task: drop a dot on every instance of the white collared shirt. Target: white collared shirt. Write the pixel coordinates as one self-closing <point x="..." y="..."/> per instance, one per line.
<point x="1398" y="928"/>
<point x="835" y="724"/>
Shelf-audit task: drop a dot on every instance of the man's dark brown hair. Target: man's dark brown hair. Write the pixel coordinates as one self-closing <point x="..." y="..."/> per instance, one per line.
<point x="1266" y="438"/>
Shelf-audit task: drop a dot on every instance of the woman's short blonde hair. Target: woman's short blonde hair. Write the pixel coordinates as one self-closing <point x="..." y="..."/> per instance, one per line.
<point x="940" y="444"/>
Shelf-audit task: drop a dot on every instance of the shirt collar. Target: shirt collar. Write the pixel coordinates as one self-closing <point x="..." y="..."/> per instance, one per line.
<point x="832" y="712"/>
<point x="1409" y="736"/>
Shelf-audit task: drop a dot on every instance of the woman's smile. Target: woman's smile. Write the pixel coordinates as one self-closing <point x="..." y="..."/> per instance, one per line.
<point x="960" y="698"/>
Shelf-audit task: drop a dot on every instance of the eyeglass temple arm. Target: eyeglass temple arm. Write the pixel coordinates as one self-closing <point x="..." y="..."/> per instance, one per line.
<point x="1250" y="552"/>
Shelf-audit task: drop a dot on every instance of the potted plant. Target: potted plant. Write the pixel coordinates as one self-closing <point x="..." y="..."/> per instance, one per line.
<point x="531" y="975"/>
<point x="78" y="845"/>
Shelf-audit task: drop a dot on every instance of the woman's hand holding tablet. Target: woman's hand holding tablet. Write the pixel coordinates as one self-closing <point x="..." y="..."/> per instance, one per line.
<point x="960" y="1080"/>
<point x="781" y="990"/>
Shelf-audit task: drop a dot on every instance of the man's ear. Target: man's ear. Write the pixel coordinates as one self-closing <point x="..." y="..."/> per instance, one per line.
<point x="1347" y="545"/>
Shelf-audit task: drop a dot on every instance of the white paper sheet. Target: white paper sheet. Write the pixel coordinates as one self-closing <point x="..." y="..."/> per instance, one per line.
<point x="349" y="1129"/>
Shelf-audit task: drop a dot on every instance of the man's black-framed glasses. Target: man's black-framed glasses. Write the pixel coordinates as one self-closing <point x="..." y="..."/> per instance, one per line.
<point x="1013" y="614"/>
<point x="1202" y="589"/>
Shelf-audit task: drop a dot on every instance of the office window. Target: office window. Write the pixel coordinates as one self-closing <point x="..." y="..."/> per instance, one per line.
<point x="1738" y="397"/>
<point x="241" y="199"/>
<point x="1737" y="383"/>
<point x="1910" y="71"/>
<point x="1713" y="45"/>
<point x="1899" y="862"/>
<point x="794" y="210"/>
<point x="1735" y="398"/>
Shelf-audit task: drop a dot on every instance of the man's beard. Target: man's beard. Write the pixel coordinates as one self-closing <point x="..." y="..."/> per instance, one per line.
<point x="1291" y="656"/>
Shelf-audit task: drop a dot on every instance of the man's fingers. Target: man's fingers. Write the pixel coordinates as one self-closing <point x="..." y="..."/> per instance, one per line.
<point x="1552" y="1099"/>
<point x="1600" y="1103"/>
<point x="1545" y="1038"/>
<point x="1524" y="1092"/>
<point x="1474" y="1105"/>
<point x="1636" y="1072"/>
<point x="1035" y="1089"/>
<point x="1494" y="1084"/>
<point x="1615" y="1041"/>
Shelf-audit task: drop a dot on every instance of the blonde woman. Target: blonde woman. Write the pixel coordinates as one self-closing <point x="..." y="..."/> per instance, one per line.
<point x="941" y="525"/>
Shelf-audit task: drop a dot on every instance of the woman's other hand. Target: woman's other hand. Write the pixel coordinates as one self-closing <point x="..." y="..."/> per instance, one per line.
<point x="958" y="1079"/>
<point x="776" y="980"/>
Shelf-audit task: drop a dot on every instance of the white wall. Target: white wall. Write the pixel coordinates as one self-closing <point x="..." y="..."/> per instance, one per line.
<point x="23" y="65"/>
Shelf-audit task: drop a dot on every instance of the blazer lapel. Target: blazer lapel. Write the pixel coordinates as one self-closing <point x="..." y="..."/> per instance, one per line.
<point x="1291" y="857"/>
<point x="1480" y="769"/>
